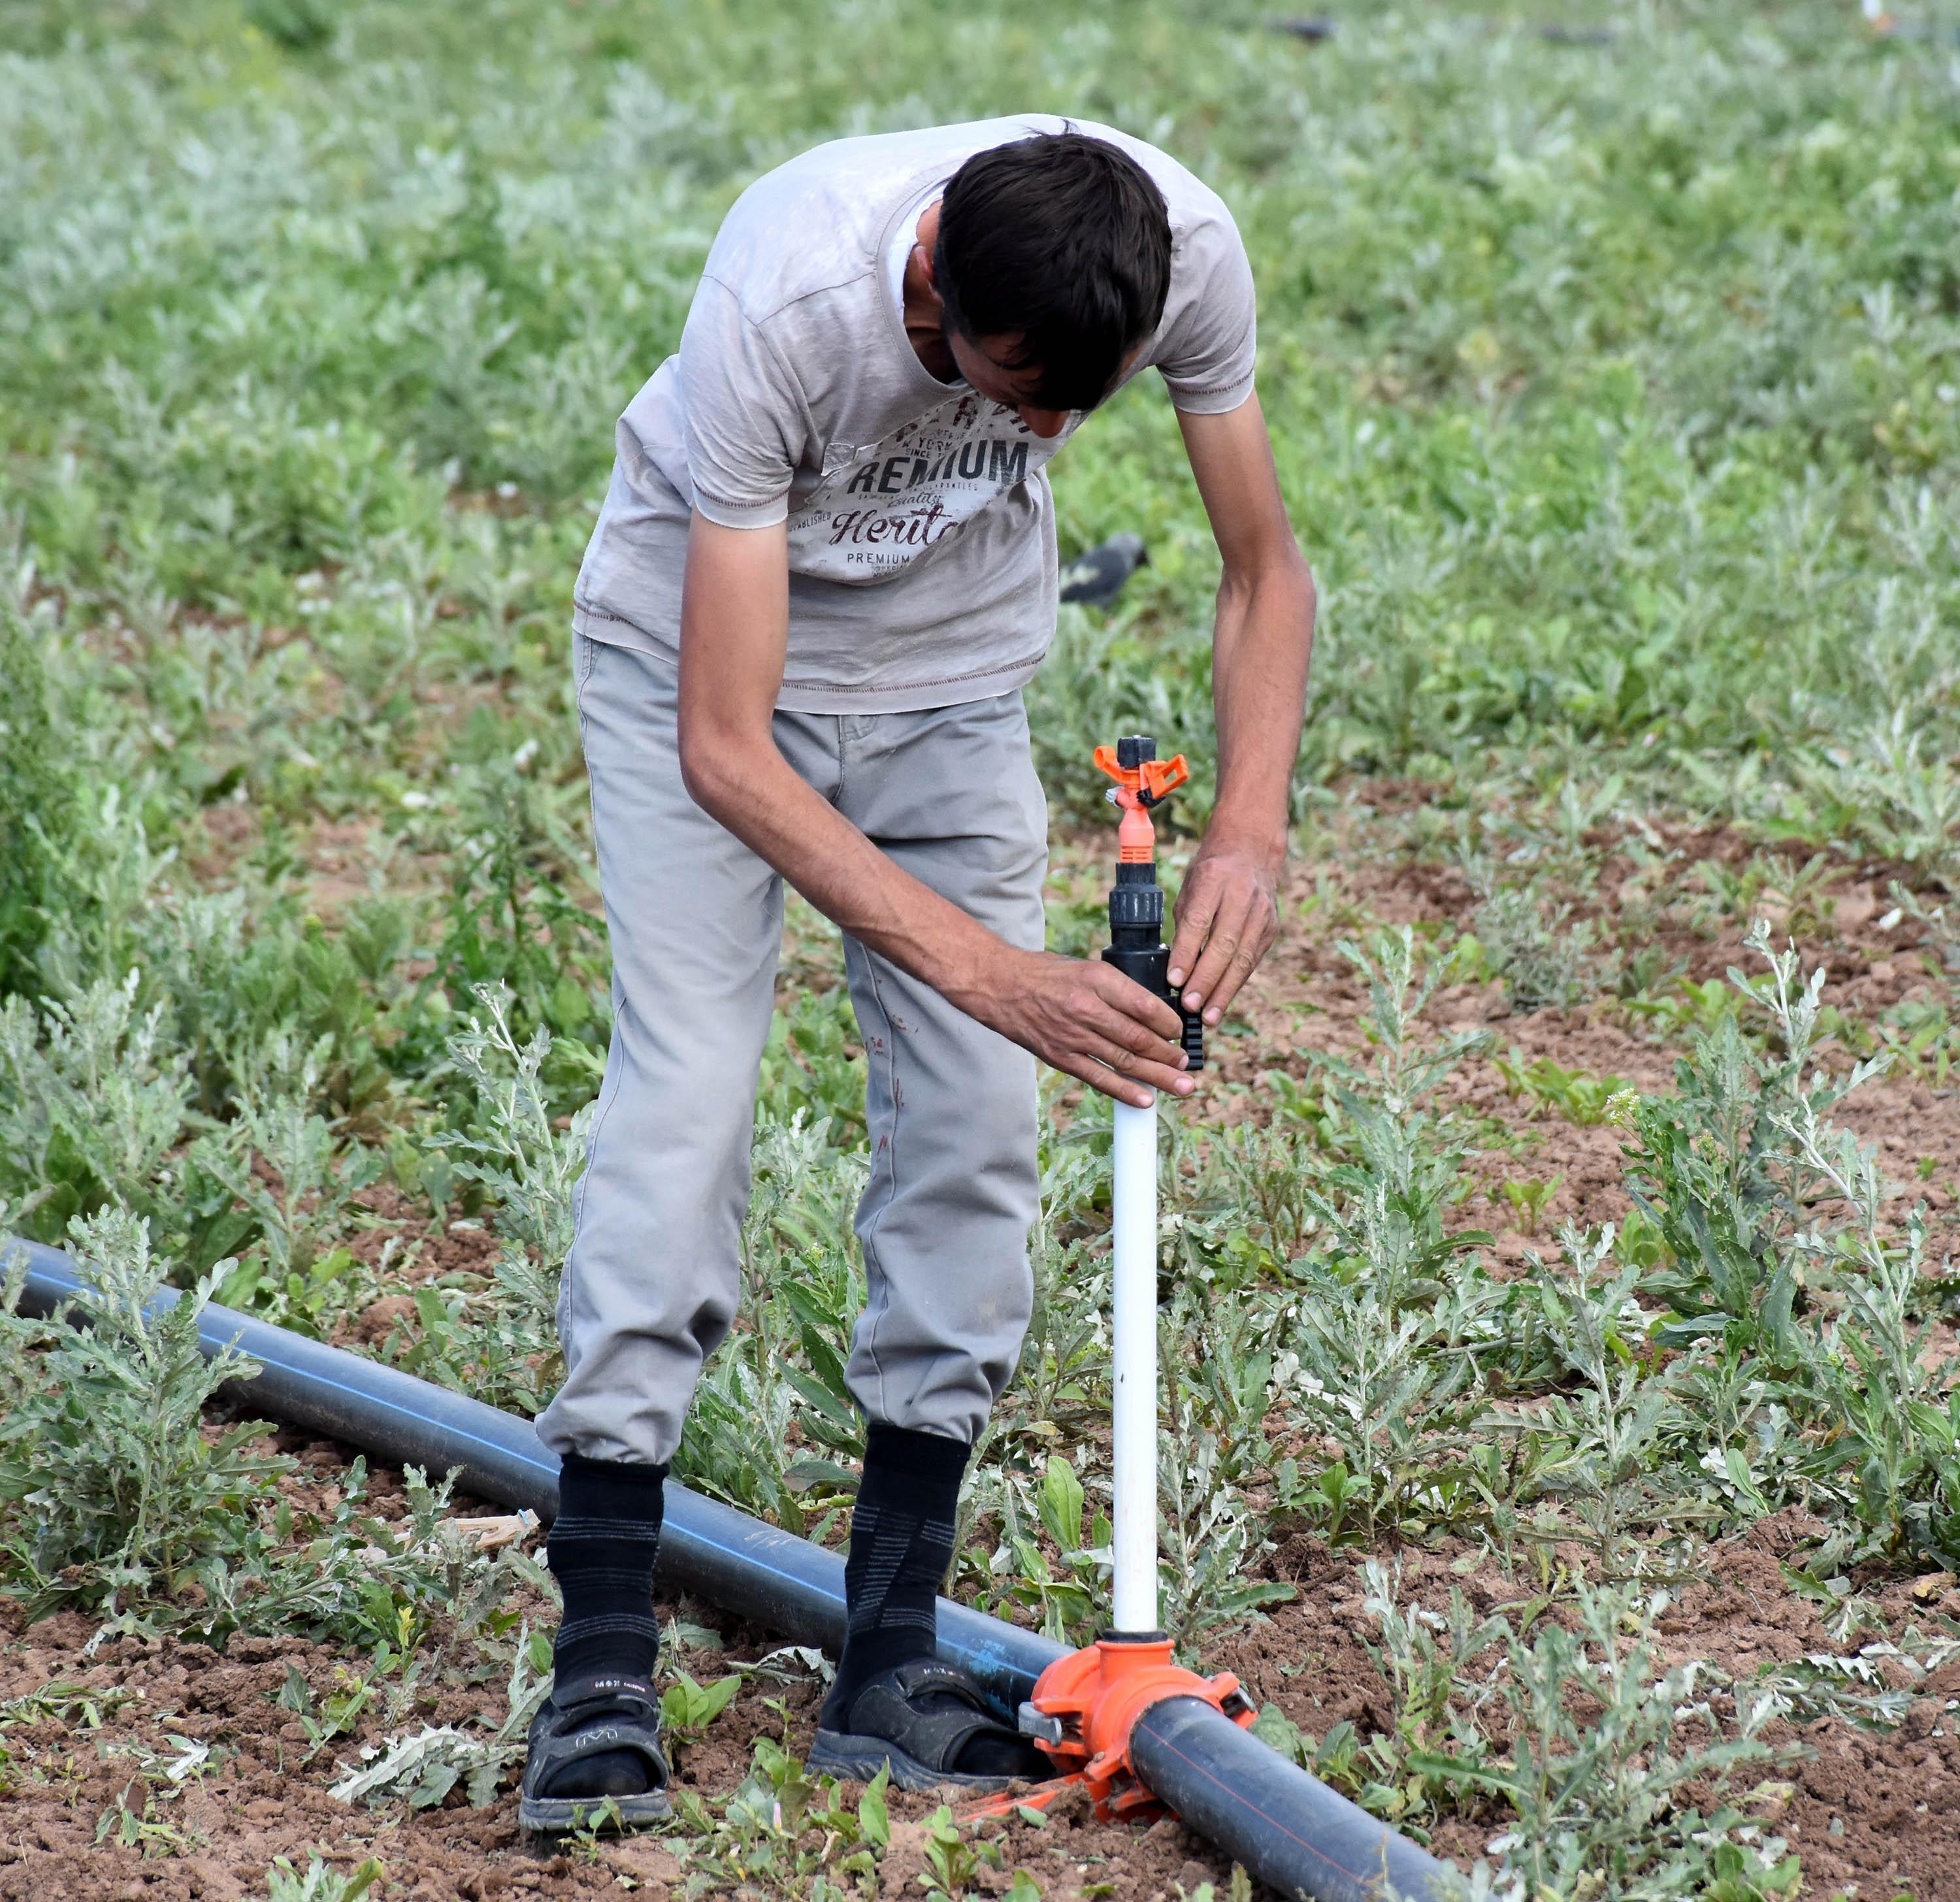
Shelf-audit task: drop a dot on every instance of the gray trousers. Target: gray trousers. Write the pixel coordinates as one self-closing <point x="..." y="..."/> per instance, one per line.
<point x="650" y="1290"/>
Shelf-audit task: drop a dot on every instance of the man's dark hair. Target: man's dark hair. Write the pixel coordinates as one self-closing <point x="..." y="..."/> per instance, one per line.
<point x="1065" y="241"/>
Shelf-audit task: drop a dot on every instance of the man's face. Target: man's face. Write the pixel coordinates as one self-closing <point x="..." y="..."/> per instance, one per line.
<point x="981" y="362"/>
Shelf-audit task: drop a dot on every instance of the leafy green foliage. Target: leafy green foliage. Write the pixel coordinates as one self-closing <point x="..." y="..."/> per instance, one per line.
<point x="1613" y="1800"/>
<point x="1383" y="1388"/>
<point x="319" y="1882"/>
<point x="34" y="798"/>
<point x="1528" y="1200"/>
<point x="511" y="925"/>
<point x="1612" y="399"/>
<point x="280" y="1164"/>
<point x="120" y="1494"/>
<point x="782" y="1832"/>
<point x="1571" y="1093"/>
<point x="117" y="1499"/>
<point x="1608" y="1803"/>
<point x="954" y="1860"/>
<point x="323" y="1719"/>
<point x="1599" y="1441"/>
<point x="499" y="1342"/>
<point x="92" y="1099"/>
<point x="687" y="1708"/>
<point x="422" y="1768"/>
<point x="1715" y="1167"/>
<point x="1101" y="678"/>
<point x="1890" y="1406"/>
<point x="1544" y="955"/>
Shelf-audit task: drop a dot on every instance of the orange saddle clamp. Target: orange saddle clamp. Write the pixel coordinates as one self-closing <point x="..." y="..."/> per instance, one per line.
<point x="1086" y="1705"/>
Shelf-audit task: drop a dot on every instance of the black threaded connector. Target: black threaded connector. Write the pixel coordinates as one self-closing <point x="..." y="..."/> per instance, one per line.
<point x="1149" y="965"/>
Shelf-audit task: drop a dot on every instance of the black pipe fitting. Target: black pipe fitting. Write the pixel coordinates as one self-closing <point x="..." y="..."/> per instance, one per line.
<point x="1148" y="964"/>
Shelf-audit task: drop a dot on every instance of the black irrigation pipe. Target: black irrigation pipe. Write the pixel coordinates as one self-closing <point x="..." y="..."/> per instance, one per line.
<point x="1288" y="1829"/>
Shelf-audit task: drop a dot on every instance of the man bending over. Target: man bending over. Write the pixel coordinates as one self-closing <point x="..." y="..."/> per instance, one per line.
<point x="824" y="571"/>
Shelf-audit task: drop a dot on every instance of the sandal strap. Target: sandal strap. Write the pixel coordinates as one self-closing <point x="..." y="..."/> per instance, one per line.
<point x="591" y="1720"/>
<point x="886" y="1708"/>
<point x="571" y="1693"/>
<point x="922" y="1674"/>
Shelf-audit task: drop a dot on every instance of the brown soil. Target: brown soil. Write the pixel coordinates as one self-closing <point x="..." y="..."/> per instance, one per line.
<point x="262" y="1795"/>
<point x="1307" y="999"/>
<point x="1871" y="1814"/>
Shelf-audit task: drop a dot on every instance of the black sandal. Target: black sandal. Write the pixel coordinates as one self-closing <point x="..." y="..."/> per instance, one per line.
<point x="921" y="1746"/>
<point x="585" y="1721"/>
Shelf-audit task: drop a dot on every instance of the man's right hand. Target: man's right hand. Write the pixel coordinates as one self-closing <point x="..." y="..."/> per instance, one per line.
<point x="1085" y="1018"/>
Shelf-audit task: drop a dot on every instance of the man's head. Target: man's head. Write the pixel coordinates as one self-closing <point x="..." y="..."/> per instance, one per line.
<point x="1052" y="263"/>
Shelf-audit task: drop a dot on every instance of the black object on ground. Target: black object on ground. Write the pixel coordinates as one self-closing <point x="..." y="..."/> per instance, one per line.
<point x="1312" y="31"/>
<point x="1553" y="32"/>
<point x="1286" y="1827"/>
<point x="608" y="1745"/>
<point x="926" y="1721"/>
<point x="1095" y="577"/>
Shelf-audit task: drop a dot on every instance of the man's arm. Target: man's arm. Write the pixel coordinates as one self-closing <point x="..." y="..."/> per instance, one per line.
<point x="1084" y="1018"/>
<point x="1228" y="908"/>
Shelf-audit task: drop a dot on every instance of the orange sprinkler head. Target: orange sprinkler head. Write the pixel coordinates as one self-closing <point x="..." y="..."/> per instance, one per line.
<point x="1147" y="782"/>
<point x="1142" y="781"/>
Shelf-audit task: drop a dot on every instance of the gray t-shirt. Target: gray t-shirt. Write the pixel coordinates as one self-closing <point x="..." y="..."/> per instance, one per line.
<point x="921" y="529"/>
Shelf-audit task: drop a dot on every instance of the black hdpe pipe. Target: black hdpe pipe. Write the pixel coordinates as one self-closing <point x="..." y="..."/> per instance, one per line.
<point x="779" y="1581"/>
<point x="1288" y="1829"/>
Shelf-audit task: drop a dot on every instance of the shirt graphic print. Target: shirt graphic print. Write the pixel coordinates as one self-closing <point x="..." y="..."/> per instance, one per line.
<point x="878" y="508"/>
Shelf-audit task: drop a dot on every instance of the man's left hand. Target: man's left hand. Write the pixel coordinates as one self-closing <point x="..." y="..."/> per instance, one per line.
<point x="1228" y="916"/>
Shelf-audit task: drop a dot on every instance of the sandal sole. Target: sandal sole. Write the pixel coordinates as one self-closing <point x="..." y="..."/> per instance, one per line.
<point x="858" y="1760"/>
<point x="562" y="1815"/>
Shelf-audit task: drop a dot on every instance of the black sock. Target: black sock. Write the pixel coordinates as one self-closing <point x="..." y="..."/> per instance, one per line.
<point x="900" y="1546"/>
<point x="601" y="1548"/>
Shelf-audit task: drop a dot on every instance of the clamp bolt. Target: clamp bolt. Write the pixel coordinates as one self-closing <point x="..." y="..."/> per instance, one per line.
<point x="1035" y="1722"/>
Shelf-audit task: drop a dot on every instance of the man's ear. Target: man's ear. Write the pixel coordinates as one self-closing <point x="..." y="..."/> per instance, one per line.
<point x="927" y="232"/>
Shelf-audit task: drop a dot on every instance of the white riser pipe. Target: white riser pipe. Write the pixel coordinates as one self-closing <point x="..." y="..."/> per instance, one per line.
<point x="1134" y="1329"/>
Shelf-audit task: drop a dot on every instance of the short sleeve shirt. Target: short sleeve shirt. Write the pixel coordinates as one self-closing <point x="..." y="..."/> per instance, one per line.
<point x="921" y="525"/>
